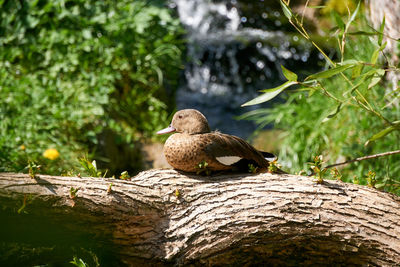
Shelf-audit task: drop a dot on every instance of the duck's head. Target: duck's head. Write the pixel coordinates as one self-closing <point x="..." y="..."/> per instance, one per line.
<point x="188" y="121"/>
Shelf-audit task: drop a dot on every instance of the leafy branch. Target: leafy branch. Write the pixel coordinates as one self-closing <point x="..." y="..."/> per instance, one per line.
<point x="372" y="75"/>
<point x="353" y="82"/>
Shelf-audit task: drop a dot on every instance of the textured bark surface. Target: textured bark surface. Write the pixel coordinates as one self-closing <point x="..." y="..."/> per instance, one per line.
<point x="165" y="217"/>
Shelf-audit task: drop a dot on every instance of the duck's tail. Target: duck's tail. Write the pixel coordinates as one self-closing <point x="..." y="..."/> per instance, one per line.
<point x="269" y="156"/>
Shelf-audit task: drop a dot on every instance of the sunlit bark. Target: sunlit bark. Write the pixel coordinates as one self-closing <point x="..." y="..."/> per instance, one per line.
<point x="164" y="216"/>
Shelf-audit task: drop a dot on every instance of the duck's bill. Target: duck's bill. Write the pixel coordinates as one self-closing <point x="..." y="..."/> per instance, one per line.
<point x="169" y="129"/>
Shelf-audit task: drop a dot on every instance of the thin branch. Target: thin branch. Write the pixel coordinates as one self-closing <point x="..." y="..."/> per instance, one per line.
<point x="304" y="11"/>
<point x="384" y="34"/>
<point x="364" y="158"/>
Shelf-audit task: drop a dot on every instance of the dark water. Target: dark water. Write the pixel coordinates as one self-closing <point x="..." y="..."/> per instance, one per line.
<point x="39" y="240"/>
<point x="235" y="48"/>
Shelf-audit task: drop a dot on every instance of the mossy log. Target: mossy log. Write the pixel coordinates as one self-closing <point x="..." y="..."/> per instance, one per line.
<point x="163" y="217"/>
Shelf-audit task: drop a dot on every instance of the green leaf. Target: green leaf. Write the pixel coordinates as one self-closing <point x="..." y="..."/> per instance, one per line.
<point x="374" y="56"/>
<point x="311" y="91"/>
<point x="339" y="20"/>
<point x="380" y="134"/>
<point x="381" y="28"/>
<point x="381" y="185"/>
<point x="350" y="61"/>
<point x="282" y="86"/>
<point x="360" y="81"/>
<point x="316" y="6"/>
<point x="357" y="71"/>
<point x="383" y="46"/>
<point x="376" y="78"/>
<point x="330" y="72"/>
<point x="362" y="33"/>
<point x="291" y="76"/>
<point x="32" y="21"/>
<point x="330" y="116"/>
<point x="31" y="3"/>
<point x="78" y="262"/>
<point x="353" y="16"/>
<point x="86" y="33"/>
<point x="286" y="10"/>
<point x="269" y="94"/>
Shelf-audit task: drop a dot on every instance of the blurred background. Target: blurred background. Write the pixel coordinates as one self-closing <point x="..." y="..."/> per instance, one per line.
<point x="94" y="80"/>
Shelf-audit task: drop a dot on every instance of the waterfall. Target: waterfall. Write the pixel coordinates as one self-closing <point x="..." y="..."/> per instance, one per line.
<point x="229" y="60"/>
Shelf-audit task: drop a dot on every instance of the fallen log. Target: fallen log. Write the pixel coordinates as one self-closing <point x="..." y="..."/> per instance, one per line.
<point x="163" y="217"/>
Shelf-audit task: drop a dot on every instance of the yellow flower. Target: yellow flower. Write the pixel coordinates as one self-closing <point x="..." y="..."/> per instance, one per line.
<point x="22" y="147"/>
<point x="51" y="154"/>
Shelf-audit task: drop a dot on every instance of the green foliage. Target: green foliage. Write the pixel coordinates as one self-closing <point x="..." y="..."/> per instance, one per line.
<point x="335" y="173"/>
<point x="342" y="112"/>
<point x="371" y="179"/>
<point x="33" y="169"/>
<point x="318" y="169"/>
<point x="72" y="192"/>
<point x="178" y="193"/>
<point x="269" y="94"/>
<point x="274" y="166"/>
<point x="252" y="168"/>
<point x="71" y="69"/>
<point x="203" y="168"/>
<point x="124" y="176"/>
<point x="78" y="262"/>
<point x="91" y="168"/>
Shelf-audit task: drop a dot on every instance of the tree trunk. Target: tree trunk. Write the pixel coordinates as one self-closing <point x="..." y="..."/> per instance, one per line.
<point x="165" y="217"/>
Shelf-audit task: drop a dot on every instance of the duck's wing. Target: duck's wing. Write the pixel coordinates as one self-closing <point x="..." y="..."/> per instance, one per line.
<point x="232" y="150"/>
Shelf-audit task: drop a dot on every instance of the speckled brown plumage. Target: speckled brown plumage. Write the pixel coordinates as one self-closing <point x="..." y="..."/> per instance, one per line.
<point x="193" y="143"/>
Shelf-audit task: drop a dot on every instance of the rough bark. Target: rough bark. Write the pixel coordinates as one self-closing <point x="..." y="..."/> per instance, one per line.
<point x="166" y="217"/>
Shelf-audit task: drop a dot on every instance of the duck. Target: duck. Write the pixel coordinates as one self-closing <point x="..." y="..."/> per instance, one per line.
<point x="194" y="147"/>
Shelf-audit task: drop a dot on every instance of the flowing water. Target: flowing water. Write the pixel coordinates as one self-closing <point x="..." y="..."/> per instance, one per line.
<point x="230" y="56"/>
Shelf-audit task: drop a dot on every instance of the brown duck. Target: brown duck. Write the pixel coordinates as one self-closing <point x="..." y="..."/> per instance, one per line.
<point x="194" y="144"/>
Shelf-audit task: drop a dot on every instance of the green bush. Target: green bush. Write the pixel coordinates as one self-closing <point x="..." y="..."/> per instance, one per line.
<point x="343" y="112"/>
<point x="72" y="70"/>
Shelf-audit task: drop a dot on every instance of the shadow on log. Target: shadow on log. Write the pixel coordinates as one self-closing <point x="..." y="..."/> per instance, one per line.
<point x="163" y="217"/>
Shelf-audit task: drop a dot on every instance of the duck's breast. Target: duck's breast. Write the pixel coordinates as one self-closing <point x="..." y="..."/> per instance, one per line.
<point x="185" y="152"/>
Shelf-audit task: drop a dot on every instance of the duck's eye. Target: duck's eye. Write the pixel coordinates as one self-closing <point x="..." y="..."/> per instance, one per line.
<point x="180" y="116"/>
